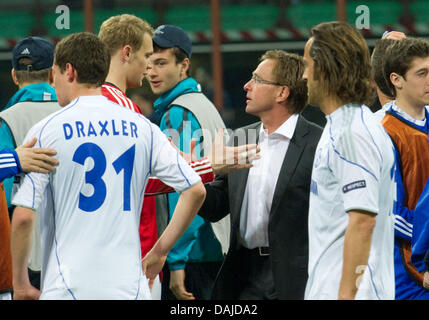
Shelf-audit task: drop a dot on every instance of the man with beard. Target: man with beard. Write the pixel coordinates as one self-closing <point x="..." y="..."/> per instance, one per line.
<point x="351" y="199"/>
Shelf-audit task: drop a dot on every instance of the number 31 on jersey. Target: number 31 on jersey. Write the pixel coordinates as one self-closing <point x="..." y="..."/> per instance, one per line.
<point x="94" y="177"/>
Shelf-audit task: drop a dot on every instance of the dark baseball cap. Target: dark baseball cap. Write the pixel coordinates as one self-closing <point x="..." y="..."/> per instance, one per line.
<point x="168" y="36"/>
<point x="39" y="50"/>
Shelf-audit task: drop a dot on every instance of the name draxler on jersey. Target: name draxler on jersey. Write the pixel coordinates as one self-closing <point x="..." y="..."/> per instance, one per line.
<point x="79" y="129"/>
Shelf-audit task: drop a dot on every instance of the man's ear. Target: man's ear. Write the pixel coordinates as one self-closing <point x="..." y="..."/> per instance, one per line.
<point x="51" y="77"/>
<point x="70" y="72"/>
<point x="14" y="78"/>
<point x="283" y="94"/>
<point x="126" y="53"/>
<point x="397" y="80"/>
<point x="185" y="66"/>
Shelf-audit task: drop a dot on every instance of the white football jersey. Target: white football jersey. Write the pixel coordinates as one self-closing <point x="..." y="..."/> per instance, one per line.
<point x="352" y="170"/>
<point x="91" y="204"/>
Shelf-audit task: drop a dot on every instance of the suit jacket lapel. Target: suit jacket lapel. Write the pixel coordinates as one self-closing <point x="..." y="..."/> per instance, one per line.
<point x="293" y="154"/>
<point x="240" y="177"/>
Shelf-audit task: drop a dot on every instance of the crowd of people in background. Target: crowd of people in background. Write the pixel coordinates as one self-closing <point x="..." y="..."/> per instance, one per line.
<point x="105" y="196"/>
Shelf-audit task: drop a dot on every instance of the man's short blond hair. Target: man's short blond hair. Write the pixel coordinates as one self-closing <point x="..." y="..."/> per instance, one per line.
<point x="125" y="29"/>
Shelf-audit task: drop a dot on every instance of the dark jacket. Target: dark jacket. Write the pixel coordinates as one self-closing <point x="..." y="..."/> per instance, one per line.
<point x="288" y="222"/>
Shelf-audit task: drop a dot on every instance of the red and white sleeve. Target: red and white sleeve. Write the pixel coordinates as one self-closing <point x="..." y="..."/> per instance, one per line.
<point x="203" y="167"/>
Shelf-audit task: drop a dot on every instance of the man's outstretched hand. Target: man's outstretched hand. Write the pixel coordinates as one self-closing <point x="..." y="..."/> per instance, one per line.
<point x="224" y="159"/>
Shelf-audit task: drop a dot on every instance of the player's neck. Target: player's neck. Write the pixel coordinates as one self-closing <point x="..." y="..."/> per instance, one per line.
<point x="116" y="75"/>
<point x="414" y="110"/>
<point x="118" y="80"/>
<point x="24" y="84"/>
<point x="83" y="91"/>
<point x="330" y="103"/>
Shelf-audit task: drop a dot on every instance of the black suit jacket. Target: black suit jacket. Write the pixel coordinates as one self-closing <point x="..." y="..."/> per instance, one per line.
<point x="288" y="221"/>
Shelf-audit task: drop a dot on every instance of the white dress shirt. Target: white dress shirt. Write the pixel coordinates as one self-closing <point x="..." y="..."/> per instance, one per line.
<point x="261" y="184"/>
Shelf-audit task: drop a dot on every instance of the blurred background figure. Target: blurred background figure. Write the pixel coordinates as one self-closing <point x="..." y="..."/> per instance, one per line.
<point x="144" y="100"/>
<point x="206" y="81"/>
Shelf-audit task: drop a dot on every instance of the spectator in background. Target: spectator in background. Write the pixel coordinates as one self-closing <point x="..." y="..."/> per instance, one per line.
<point x="206" y="82"/>
<point x="32" y="60"/>
<point x="31" y="71"/>
<point x="145" y="102"/>
<point x="384" y="95"/>
<point x="184" y="110"/>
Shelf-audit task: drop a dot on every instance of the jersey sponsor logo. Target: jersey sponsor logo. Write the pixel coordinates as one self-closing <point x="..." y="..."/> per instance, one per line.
<point x="78" y="129"/>
<point x="313" y="187"/>
<point x="354" y="185"/>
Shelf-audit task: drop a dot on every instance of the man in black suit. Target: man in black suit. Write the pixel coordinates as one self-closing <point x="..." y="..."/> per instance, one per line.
<point x="268" y="203"/>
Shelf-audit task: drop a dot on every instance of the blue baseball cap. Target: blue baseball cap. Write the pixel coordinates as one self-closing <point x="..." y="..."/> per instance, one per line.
<point x="168" y="36"/>
<point x="39" y="50"/>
